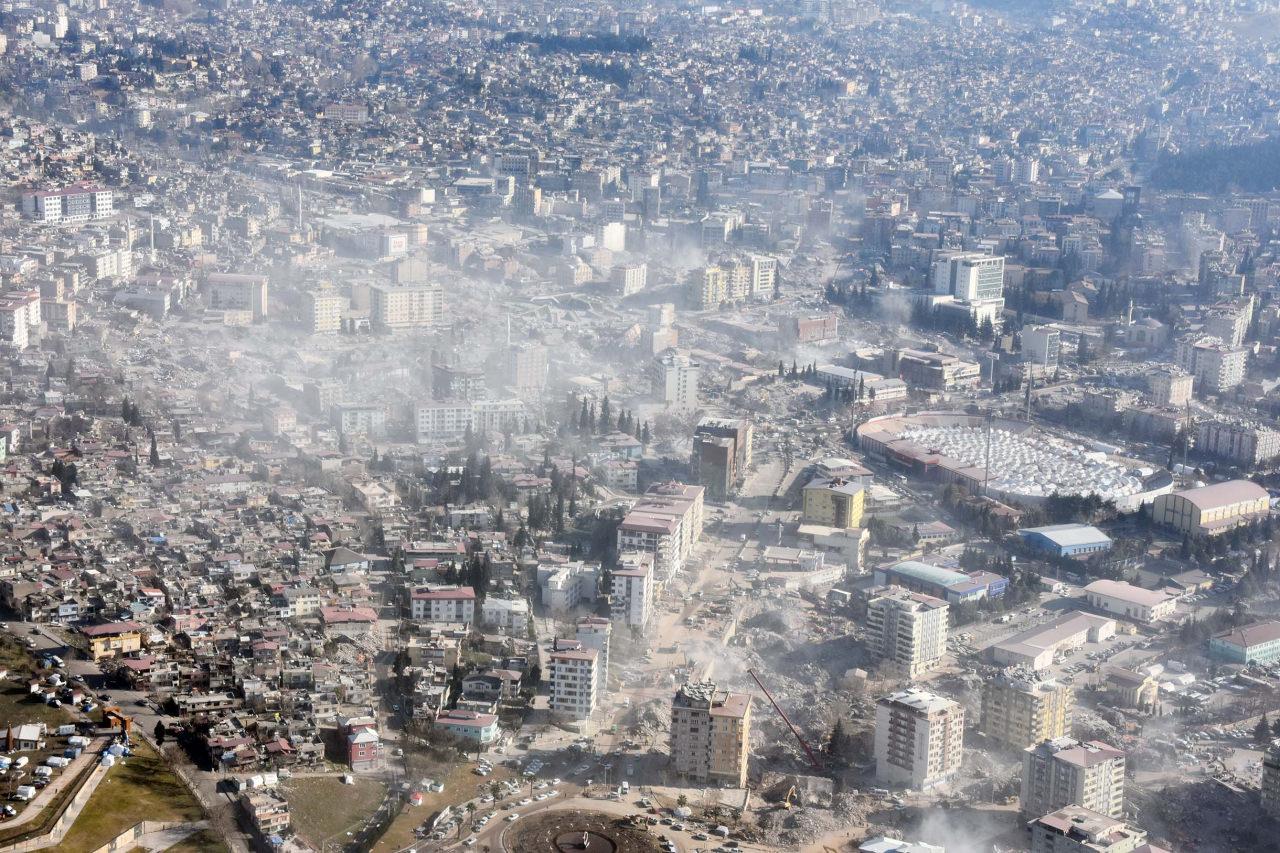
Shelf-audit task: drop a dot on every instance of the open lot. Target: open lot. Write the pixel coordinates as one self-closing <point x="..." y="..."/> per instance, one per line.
<point x="323" y="807"/>
<point x="142" y="787"/>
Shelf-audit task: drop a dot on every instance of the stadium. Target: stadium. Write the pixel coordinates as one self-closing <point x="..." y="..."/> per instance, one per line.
<point x="1027" y="464"/>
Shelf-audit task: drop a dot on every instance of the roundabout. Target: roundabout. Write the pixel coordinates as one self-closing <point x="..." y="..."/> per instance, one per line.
<point x="577" y="831"/>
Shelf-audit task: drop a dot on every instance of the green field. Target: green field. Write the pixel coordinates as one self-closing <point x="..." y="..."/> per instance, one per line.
<point x="140" y="788"/>
<point x="322" y="807"/>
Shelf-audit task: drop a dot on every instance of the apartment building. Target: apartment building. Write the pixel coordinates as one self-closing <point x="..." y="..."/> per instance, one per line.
<point x="527" y="367"/>
<point x="919" y="739"/>
<point x="1216" y="366"/>
<point x="564" y="586"/>
<point x="80" y="202"/>
<point x="594" y="633"/>
<point x="708" y="287"/>
<point x="1020" y="711"/>
<point x="1041" y="347"/>
<point x="436" y="421"/>
<point x="711" y="734"/>
<point x="675" y="381"/>
<point x="1065" y="772"/>
<point x="906" y="629"/>
<point x="630" y="278"/>
<point x="450" y="604"/>
<point x="322" y="311"/>
<point x="411" y="306"/>
<point x="1270" y="788"/>
<point x="666" y="522"/>
<point x="359" y="419"/>
<point x="833" y="502"/>
<point x="239" y="292"/>
<point x="1242" y="443"/>
<point x="19" y="317"/>
<point x="1077" y="830"/>
<point x="1170" y="387"/>
<point x="631" y="598"/>
<point x="722" y="453"/>
<point x="573" y="679"/>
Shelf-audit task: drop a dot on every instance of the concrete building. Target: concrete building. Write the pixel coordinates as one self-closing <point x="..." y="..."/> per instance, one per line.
<point x="630" y="278"/>
<point x="1132" y="602"/>
<point x="906" y="629"/>
<point x="1065" y="772"/>
<point x="450" y="604"/>
<point x="667" y="522"/>
<point x="239" y="292"/>
<point x="594" y="633"/>
<point x="1210" y="510"/>
<point x="80" y="202"/>
<point x="437" y="421"/>
<point x="394" y="307"/>
<point x="527" y="368"/>
<point x="675" y="381"/>
<point x="710" y="734"/>
<point x="1078" y="830"/>
<point x="919" y="739"/>
<point x="969" y="277"/>
<point x="469" y="725"/>
<point x="1244" y="444"/>
<point x="1270" y="787"/>
<point x="1020" y="711"/>
<point x="631" y="600"/>
<point x="1170" y="387"/>
<point x="564" y="586"/>
<point x="1251" y="644"/>
<point x="833" y="502"/>
<point x="322" y="311"/>
<point x="573" y="679"/>
<point x="722" y="454"/>
<point x="1041" y="347"/>
<point x="1038" y="647"/>
<point x="951" y="586"/>
<point x="1216" y="366"/>
<point x="360" y="419"/>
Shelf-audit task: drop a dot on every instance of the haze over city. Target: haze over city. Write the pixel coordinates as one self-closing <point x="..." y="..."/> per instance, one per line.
<point x="759" y="426"/>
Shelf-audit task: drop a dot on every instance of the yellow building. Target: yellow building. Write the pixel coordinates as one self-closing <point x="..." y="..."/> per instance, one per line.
<point x="711" y="734"/>
<point x="708" y="287"/>
<point x="833" y="502"/>
<point x="1019" y="711"/>
<point x="113" y="639"/>
<point x="1210" y="510"/>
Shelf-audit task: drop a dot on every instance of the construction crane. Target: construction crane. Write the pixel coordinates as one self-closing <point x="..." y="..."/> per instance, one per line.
<point x="813" y="759"/>
<point x="113" y="716"/>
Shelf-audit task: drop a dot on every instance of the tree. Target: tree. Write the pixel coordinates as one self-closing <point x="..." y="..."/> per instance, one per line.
<point x="605" y="415"/>
<point x="645" y="434"/>
<point x="160" y="733"/>
<point x="682" y="801"/>
<point x="155" y="452"/>
<point x="1262" y="732"/>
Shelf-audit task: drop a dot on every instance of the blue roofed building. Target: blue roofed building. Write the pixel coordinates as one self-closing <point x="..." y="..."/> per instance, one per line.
<point x="953" y="587"/>
<point x="1066" y="540"/>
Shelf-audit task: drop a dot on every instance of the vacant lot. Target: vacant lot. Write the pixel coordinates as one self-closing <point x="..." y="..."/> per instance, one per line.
<point x="323" y="807"/>
<point x="460" y="785"/>
<point x="142" y="787"/>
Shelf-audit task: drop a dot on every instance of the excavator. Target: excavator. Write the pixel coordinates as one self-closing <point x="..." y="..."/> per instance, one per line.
<point x="112" y="716"/>
<point x="786" y="801"/>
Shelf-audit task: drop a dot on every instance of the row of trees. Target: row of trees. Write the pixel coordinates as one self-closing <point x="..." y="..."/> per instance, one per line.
<point x="959" y="324"/>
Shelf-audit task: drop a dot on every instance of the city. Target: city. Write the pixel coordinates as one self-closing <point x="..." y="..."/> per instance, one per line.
<point x="741" y="427"/>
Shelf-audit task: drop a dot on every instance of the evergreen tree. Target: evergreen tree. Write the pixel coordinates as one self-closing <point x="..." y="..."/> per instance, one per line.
<point x="1262" y="732"/>
<point x="645" y="434"/>
<point x="155" y="452"/>
<point x="605" y="415"/>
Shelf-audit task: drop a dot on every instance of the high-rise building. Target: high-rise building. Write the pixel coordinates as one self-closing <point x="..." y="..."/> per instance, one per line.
<point x="1246" y="444"/>
<point x="1170" y="387"/>
<point x="667" y="522"/>
<point x="1065" y="772"/>
<point x="919" y="739"/>
<point x="527" y="367"/>
<point x="630" y="278"/>
<point x="594" y="633"/>
<point x="322" y="310"/>
<point x="907" y="629"/>
<point x="711" y="734"/>
<point x="764" y="276"/>
<point x="722" y="454"/>
<point x="573" y="679"/>
<point x="1217" y="367"/>
<point x="238" y="292"/>
<point x="1041" y="346"/>
<point x="631" y="599"/>
<point x="1270" y="789"/>
<point x="405" y="307"/>
<point x="675" y="379"/>
<point x="970" y="277"/>
<point x="75" y="203"/>
<point x="708" y="287"/>
<point x="1020" y="711"/>
<point x="833" y="502"/>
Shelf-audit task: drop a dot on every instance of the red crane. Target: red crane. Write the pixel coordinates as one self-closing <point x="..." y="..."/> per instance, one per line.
<point x="813" y="759"/>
